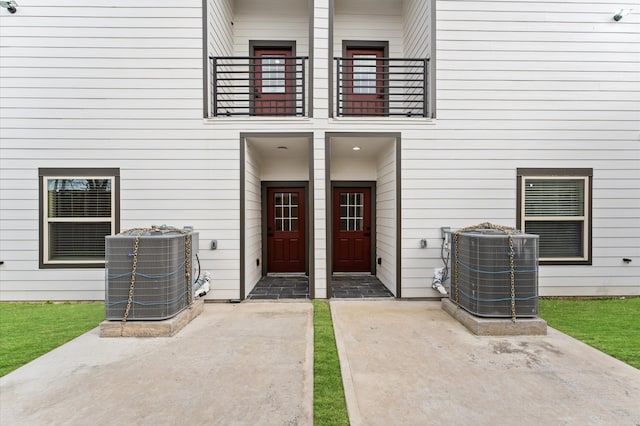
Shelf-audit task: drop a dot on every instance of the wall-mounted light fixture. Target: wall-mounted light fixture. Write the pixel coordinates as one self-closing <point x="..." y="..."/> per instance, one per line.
<point x="11" y="6"/>
<point x="620" y="13"/>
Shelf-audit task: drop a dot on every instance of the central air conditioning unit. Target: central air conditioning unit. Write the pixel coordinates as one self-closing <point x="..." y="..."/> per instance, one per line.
<point x="161" y="288"/>
<point x="481" y="262"/>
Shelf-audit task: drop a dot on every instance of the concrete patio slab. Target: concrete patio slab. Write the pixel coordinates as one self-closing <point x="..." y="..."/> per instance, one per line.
<point x="403" y="363"/>
<point x="240" y="364"/>
<point x="411" y="363"/>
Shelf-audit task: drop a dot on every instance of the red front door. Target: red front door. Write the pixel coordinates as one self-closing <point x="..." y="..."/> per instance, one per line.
<point x="352" y="230"/>
<point x="286" y="230"/>
<point x="365" y="83"/>
<point x="274" y="82"/>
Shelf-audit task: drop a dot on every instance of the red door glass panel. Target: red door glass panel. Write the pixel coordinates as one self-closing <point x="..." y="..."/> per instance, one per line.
<point x="352" y="230"/>
<point x="365" y="82"/>
<point x="274" y="82"/>
<point x="286" y="230"/>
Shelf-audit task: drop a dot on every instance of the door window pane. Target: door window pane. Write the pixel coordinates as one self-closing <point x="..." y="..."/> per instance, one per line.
<point x="364" y="74"/>
<point x="286" y="211"/>
<point x="351" y="211"/>
<point x="273" y="74"/>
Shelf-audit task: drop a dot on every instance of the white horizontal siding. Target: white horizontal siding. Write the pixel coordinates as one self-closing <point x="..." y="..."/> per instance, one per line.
<point x="322" y="64"/>
<point x="274" y="21"/>
<point x="220" y="27"/>
<point x="320" y="215"/>
<point x="417" y="30"/>
<point x="519" y="84"/>
<point x="386" y="217"/>
<point x="369" y="28"/>
<point x="529" y="84"/>
<point x="253" y="220"/>
<point x="112" y="84"/>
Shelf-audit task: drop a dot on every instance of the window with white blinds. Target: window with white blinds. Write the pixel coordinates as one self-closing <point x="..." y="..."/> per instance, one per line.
<point x="557" y="208"/>
<point x="77" y="213"/>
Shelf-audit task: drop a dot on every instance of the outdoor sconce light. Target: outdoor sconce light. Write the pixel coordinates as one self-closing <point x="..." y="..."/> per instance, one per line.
<point x="9" y="5"/>
<point x="620" y="13"/>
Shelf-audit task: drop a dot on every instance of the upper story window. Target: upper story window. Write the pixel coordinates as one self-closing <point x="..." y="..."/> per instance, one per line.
<point x="556" y="205"/>
<point x="78" y="208"/>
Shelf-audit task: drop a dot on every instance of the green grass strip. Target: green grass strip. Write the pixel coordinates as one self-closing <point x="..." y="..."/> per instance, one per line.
<point x="29" y="330"/>
<point x="610" y="325"/>
<point x="329" y="405"/>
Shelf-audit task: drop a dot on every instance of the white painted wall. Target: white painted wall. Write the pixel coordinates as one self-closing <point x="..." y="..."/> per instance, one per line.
<point x="386" y="217"/>
<point x="320" y="215"/>
<point x="369" y="28"/>
<point x="111" y="84"/>
<point x="363" y="169"/>
<point x="274" y="169"/>
<point x="253" y="218"/>
<point x="520" y="84"/>
<point x="270" y="20"/>
<point x="524" y="84"/>
<point x="416" y="28"/>
<point x="220" y="27"/>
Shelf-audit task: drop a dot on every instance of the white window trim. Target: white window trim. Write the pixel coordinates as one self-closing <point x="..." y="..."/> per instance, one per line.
<point x="585" y="218"/>
<point x="46" y="219"/>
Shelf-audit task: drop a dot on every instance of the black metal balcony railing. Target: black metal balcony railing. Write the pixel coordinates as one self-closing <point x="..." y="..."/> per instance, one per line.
<point x="381" y="87"/>
<point x="259" y="86"/>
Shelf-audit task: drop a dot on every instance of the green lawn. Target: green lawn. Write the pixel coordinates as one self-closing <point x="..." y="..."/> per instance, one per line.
<point x="29" y="330"/>
<point x="610" y="325"/>
<point x="329" y="406"/>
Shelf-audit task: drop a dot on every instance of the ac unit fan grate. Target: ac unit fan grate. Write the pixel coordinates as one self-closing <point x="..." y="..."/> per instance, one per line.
<point x="484" y="273"/>
<point x="161" y="287"/>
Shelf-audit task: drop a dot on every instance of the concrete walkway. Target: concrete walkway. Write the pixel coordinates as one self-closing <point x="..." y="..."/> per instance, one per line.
<point x="244" y="364"/>
<point x="403" y="363"/>
<point x="410" y="363"/>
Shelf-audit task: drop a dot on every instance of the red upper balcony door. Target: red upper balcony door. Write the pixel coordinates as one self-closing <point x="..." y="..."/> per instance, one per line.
<point x="286" y="230"/>
<point x="352" y="230"/>
<point x="365" y="82"/>
<point x="274" y="82"/>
